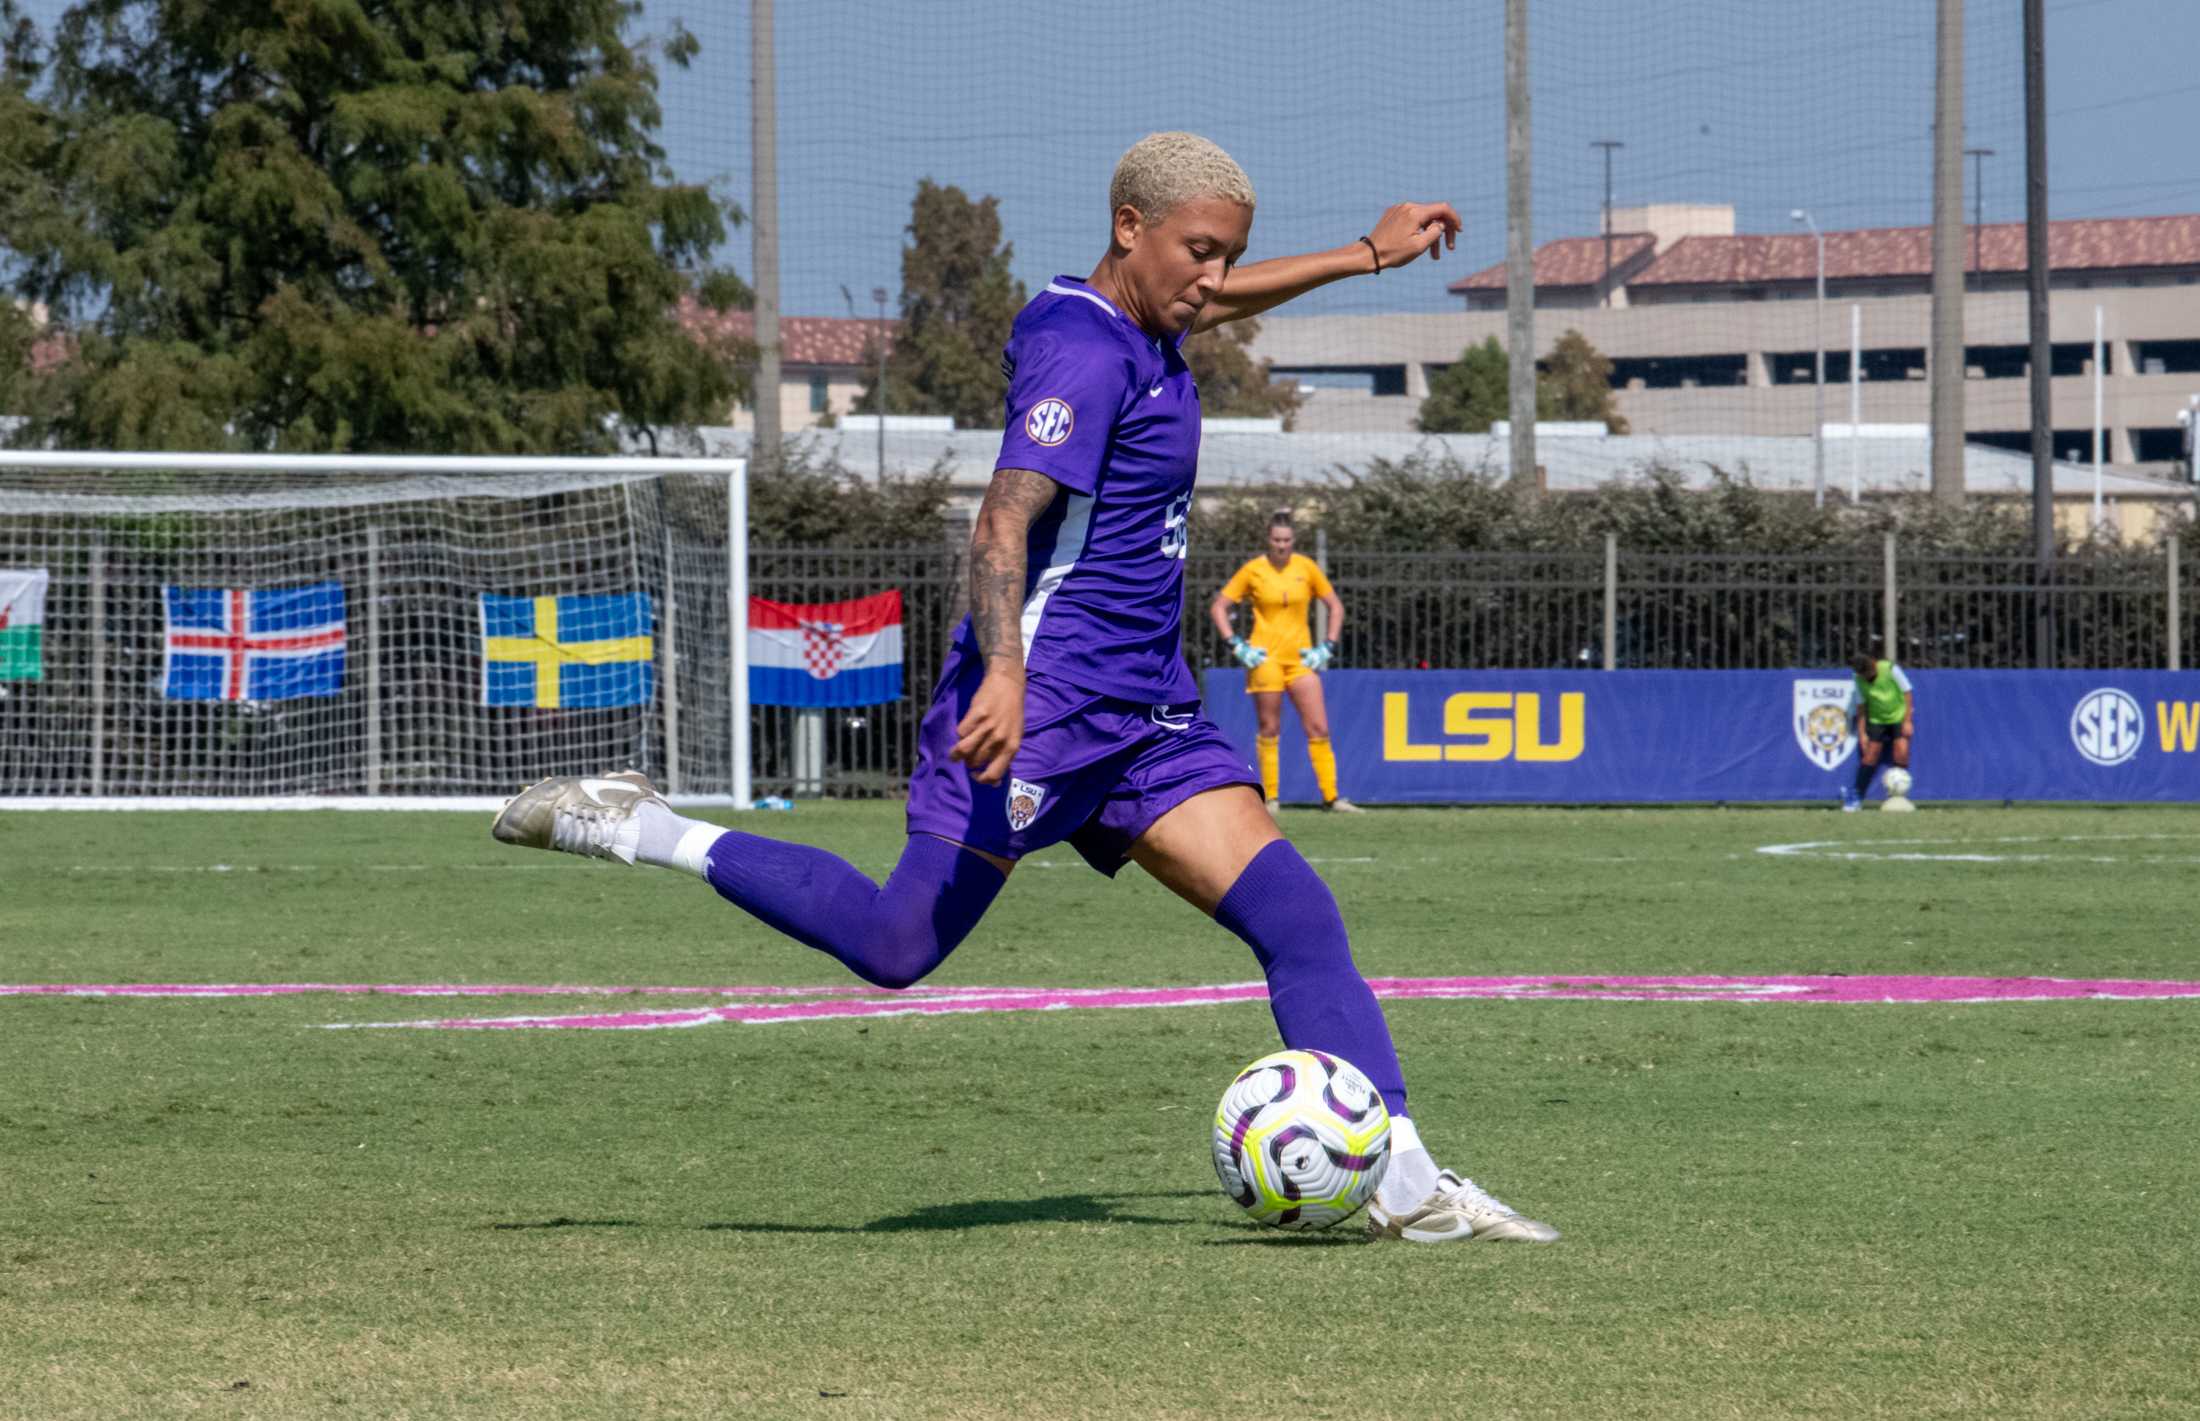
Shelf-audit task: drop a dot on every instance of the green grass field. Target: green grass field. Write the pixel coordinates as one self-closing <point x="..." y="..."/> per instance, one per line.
<point x="212" y="1207"/>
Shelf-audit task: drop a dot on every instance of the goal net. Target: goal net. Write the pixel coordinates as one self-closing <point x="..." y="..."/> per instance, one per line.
<point x="380" y="630"/>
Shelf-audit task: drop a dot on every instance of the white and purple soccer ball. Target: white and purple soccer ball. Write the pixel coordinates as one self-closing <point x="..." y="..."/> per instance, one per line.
<point x="1301" y="1139"/>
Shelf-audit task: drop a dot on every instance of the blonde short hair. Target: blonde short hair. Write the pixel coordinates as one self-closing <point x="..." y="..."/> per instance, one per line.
<point x="1162" y="171"/>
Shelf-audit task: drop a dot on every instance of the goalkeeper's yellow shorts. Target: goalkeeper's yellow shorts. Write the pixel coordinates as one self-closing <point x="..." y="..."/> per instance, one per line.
<point x="1278" y="671"/>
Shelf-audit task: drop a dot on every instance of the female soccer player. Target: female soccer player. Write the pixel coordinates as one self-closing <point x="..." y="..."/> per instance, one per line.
<point x="1280" y="658"/>
<point x="1885" y="708"/>
<point x="1065" y="710"/>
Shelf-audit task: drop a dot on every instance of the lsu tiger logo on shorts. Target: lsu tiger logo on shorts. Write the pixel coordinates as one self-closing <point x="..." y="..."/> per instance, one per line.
<point x="1050" y="422"/>
<point x="1822" y="725"/>
<point x="1024" y="799"/>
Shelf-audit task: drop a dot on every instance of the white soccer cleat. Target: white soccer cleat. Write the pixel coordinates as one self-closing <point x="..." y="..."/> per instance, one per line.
<point x="592" y="816"/>
<point x="1457" y="1211"/>
<point x="1341" y="805"/>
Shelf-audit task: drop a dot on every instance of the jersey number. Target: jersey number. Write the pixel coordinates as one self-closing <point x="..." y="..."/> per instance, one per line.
<point x="1176" y="536"/>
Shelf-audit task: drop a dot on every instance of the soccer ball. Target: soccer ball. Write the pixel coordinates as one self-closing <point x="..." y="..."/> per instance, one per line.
<point x="1898" y="782"/>
<point x="1301" y="1139"/>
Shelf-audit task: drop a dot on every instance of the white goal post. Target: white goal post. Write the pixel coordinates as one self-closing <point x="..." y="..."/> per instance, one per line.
<point x="368" y="631"/>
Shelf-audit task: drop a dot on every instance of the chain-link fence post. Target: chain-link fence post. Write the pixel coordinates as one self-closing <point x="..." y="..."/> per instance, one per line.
<point x="2175" y="625"/>
<point x="1888" y="603"/>
<point x="1611" y="601"/>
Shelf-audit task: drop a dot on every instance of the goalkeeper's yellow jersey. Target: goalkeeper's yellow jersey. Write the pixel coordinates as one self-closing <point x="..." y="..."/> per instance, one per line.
<point x="1280" y="598"/>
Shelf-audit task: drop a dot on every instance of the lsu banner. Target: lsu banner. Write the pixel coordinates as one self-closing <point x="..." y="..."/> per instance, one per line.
<point x="22" y="623"/>
<point x="825" y="653"/>
<point x="253" y="643"/>
<point x="1615" y="737"/>
<point x="571" y="652"/>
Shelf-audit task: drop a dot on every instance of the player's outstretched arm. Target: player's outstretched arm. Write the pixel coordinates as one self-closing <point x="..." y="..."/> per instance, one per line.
<point x="988" y="737"/>
<point x="1399" y="236"/>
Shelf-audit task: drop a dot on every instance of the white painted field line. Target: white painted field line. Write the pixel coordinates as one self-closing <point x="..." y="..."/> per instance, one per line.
<point x="1882" y="850"/>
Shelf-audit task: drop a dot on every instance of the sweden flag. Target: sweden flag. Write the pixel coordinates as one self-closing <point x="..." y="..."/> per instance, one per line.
<point x="574" y="652"/>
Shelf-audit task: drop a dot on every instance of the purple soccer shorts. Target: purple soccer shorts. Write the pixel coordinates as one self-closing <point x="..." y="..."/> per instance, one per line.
<point x="1093" y="770"/>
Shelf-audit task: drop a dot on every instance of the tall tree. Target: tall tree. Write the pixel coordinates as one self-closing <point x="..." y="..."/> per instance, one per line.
<point x="1468" y="395"/>
<point x="1232" y="383"/>
<point x="958" y="302"/>
<point x="332" y="225"/>
<point x="1573" y="383"/>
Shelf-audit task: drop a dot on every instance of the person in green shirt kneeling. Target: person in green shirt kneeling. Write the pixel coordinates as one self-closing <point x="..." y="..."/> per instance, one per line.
<point x="1886" y="718"/>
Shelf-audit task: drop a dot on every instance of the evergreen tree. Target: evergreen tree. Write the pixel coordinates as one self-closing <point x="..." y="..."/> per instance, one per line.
<point x="1233" y="384"/>
<point x="1467" y="396"/>
<point x="326" y="225"/>
<point x="958" y="303"/>
<point x="1575" y="382"/>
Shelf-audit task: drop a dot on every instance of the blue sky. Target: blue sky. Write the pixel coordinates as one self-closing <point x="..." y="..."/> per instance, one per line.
<point x="1338" y="110"/>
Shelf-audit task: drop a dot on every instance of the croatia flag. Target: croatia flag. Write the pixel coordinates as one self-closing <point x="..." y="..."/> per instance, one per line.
<point x="253" y="643"/>
<point x="825" y="653"/>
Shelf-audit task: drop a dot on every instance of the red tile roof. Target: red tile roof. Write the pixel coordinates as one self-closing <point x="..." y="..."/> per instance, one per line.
<point x="2086" y="244"/>
<point x="804" y="340"/>
<point x="2081" y="244"/>
<point x="1569" y="261"/>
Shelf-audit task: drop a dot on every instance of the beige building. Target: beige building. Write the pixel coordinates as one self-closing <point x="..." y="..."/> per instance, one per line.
<point x="825" y="362"/>
<point x="1713" y="333"/>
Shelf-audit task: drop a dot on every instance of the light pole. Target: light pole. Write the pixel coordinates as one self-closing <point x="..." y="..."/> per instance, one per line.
<point x="1978" y="157"/>
<point x="1607" y="144"/>
<point x="1818" y="360"/>
<point x="878" y="294"/>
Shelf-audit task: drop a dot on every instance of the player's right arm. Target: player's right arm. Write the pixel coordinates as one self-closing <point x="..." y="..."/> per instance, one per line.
<point x="1226" y="600"/>
<point x="1219" y="612"/>
<point x="988" y="737"/>
<point x="1068" y="379"/>
<point x="1233" y="592"/>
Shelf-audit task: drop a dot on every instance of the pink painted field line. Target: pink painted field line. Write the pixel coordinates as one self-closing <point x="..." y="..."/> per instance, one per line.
<point x="403" y="989"/>
<point x="1800" y="990"/>
<point x="855" y="1000"/>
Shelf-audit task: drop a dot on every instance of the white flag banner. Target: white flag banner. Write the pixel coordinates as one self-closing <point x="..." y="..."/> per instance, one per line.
<point x="23" y="623"/>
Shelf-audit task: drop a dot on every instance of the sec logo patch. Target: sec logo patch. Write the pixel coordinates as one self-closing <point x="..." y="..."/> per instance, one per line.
<point x="1049" y="422"/>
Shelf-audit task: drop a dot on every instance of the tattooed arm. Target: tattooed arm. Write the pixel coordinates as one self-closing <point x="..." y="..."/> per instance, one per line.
<point x="988" y="737"/>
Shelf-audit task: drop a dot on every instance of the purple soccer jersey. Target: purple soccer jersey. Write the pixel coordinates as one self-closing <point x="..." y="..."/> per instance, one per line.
<point x="1112" y="415"/>
<point x="1112" y="735"/>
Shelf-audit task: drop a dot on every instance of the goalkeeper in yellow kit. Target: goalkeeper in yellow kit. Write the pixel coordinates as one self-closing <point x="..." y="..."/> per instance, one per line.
<point x="1280" y="658"/>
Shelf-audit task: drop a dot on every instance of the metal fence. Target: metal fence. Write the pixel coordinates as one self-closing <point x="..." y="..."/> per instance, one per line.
<point x="1579" y="609"/>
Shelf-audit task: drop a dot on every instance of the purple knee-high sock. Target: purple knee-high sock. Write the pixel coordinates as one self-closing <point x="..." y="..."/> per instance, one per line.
<point x="890" y="936"/>
<point x="1288" y="916"/>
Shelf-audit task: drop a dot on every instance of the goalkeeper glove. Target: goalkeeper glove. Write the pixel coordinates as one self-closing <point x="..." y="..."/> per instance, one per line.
<point x="1316" y="658"/>
<point x="1248" y="655"/>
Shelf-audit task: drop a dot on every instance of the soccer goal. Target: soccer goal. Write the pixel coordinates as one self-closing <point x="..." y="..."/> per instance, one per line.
<point x="230" y="631"/>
